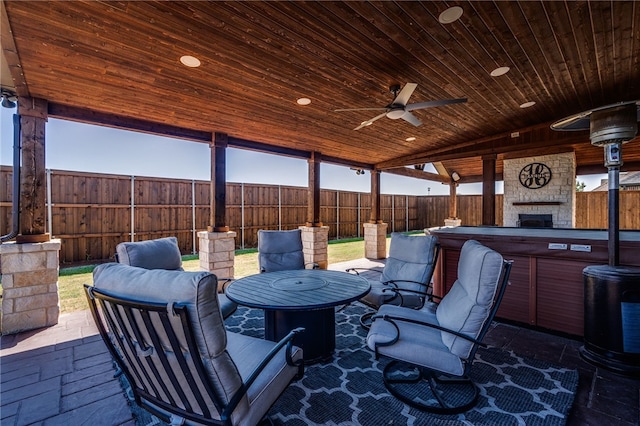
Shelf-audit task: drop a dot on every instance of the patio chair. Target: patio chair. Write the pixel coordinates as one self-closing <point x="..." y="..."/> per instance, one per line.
<point x="405" y="279"/>
<point x="172" y="346"/>
<point x="281" y="251"/>
<point x="433" y="349"/>
<point x="164" y="253"/>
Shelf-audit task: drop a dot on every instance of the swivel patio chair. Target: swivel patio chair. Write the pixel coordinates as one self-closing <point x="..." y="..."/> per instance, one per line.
<point x="281" y="251"/>
<point x="164" y="253"/>
<point x="172" y="346"/>
<point x="433" y="349"/>
<point x="405" y="279"/>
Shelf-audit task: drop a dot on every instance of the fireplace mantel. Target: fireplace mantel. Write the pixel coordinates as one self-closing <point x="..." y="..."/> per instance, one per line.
<point x="537" y="203"/>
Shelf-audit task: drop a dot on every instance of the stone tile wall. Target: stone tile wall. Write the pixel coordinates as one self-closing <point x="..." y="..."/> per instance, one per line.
<point x="561" y="189"/>
<point x="29" y="285"/>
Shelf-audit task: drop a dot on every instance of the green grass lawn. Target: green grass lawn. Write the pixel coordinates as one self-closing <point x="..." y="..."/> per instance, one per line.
<point x="71" y="281"/>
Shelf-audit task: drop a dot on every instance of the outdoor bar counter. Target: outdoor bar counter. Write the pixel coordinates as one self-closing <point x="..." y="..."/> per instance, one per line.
<point x="546" y="283"/>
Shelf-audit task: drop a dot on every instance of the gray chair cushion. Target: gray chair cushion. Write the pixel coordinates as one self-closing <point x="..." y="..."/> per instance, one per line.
<point x="411" y="258"/>
<point x="162" y="253"/>
<point x="466" y="306"/>
<point x="280" y="250"/>
<point x="417" y="343"/>
<point x="228" y="358"/>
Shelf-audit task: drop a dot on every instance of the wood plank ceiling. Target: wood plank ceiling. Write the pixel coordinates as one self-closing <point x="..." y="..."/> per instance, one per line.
<point x="117" y="63"/>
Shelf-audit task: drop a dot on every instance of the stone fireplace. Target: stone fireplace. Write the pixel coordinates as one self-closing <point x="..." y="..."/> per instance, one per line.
<point x="542" y="187"/>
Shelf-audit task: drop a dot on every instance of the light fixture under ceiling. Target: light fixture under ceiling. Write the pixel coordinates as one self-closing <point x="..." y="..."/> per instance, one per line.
<point x="450" y="15"/>
<point x="410" y="139"/>
<point x="455" y="176"/>
<point x="190" y="61"/>
<point x="303" y="101"/>
<point x="527" y="104"/>
<point x="499" y="71"/>
<point x="9" y="100"/>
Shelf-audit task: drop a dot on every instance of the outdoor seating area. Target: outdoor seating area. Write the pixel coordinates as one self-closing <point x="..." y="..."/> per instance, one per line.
<point x="508" y="295"/>
<point x="64" y="374"/>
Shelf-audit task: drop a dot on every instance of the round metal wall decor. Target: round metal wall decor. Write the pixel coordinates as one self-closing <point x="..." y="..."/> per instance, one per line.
<point x="535" y="175"/>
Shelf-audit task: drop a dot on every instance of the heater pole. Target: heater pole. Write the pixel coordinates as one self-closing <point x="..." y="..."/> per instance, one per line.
<point x="614" y="216"/>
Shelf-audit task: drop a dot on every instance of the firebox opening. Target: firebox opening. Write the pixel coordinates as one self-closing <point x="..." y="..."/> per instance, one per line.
<point x="535" y="221"/>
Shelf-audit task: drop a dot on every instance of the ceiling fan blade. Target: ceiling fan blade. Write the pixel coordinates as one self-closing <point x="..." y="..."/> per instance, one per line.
<point x="405" y="94"/>
<point x="360" y="109"/>
<point x="370" y="121"/>
<point x="407" y="116"/>
<point x="429" y="104"/>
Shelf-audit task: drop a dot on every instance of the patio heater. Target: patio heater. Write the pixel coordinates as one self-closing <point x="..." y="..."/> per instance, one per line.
<point x="611" y="292"/>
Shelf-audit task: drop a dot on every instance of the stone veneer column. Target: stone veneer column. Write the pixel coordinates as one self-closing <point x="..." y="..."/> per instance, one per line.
<point x="375" y="240"/>
<point x="29" y="285"/>
<point x="217" y="253"/>
<point x="315" y="240"/>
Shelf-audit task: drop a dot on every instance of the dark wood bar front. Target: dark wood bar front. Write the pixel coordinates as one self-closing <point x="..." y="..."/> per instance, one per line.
<point x="546" y="283"/>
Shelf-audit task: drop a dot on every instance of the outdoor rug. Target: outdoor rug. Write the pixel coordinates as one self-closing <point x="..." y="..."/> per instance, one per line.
<point x="348" y="390"/>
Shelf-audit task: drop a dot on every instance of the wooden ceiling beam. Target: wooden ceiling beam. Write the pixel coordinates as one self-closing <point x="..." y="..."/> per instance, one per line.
<point x="418" y="174"/>
<point x="535" y="137"/>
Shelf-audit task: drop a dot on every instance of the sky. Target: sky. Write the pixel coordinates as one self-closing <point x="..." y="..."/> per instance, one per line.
<point x="89" y="148"/>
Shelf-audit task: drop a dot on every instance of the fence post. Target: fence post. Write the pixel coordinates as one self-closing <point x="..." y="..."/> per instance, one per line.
<point x="406" y="209"/>
<point x="242" y="215"/>
<point x="193" y="215"/>
<point x="393" y="213"/>
<point x="337" y="214"/>
<point x="49" y="204"/>
<point x="280" y="207"/>
<point x="133" y="204"/>
<point x="359" y="224"/>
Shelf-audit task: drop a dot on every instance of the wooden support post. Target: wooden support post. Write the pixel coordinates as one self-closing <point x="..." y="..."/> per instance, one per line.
<point x="218" y="216"/>
<point x="453" y="200"/>
<point x="489" y="190"/>
<point x="33" y="113"/>
<point x="313" y="209"/>
<point x="375" y="197"/>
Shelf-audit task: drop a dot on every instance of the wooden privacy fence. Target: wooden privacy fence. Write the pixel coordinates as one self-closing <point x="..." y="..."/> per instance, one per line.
<point x="92" y="213"/>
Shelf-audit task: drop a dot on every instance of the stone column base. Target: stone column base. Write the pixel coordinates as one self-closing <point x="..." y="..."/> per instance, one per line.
<point x="30" y="285"/>
<point x="315" y="240"/>
<point x="375" y="240"/>
<point x="217" y="253"/>
<point x="452" y="222"/>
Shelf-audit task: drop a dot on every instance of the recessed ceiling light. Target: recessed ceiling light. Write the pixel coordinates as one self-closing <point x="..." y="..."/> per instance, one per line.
<point x="410" y="139"/>
<point x="190" y="61"/>
<point x="303" y="101"/>
<point x="527" y="104"/>
<point x="450" y="15"/>
<point x="499" y="71"/>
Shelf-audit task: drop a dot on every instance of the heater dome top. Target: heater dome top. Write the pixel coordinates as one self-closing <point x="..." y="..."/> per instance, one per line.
<point x="581" y="120"/>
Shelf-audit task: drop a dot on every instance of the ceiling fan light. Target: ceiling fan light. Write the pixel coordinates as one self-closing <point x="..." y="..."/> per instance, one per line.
<point x="395" y="114"/>
<point x="450" y="15"/>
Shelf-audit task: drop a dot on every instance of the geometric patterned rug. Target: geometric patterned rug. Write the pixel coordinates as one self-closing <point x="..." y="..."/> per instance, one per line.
<point x="348" y="389"/>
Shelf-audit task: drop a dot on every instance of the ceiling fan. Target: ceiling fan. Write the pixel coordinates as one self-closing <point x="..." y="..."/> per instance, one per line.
<point x="399" y="108"/>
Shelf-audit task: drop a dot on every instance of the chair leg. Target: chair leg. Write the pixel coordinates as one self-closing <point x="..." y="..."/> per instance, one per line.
<point x="423" y="389"/>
